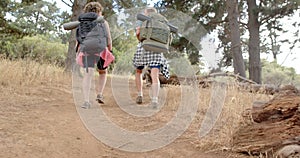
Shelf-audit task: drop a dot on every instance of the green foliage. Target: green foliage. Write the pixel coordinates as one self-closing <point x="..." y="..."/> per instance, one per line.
<point x="271" y="15"/>
<point x="129" y="3"/>
<point x="124" y="48"/>
<point x="181" y="44"/>
<point x="297" y="81"/>
<point x="276" y="9"/>
<point x="63" y="35"/>
<point x="40" y="48"/>
<point x="27" y="18"/>
<point x="6" y="6"/>
<point x="37" y="18"/>
<point x="277" y="75"/>
<point x="213" y="16"/>
<point x="123" y="64"/>
<point x="208" y="14"/>
<point x="181" y="67"/>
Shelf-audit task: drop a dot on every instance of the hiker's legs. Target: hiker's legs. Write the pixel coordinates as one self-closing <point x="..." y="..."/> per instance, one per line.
<point x="100" y="84"/>
<point x="101" y="81"/>
<point x="155" y="83"/>
<point x="86" y="83"/>
<point x="139" y="84"/>
<point x="102" y="77"/>
<point x="138" y="80"/>
<point x="88" y="61"/>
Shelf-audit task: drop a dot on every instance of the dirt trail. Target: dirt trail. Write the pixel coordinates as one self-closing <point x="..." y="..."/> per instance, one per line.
<point x="42" y="121"/>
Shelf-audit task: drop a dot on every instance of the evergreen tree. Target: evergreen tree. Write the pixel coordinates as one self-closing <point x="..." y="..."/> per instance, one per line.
<point x="28" y="17"/>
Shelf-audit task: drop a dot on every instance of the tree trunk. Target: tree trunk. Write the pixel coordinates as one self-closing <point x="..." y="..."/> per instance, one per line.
<point x="77" y="9"/>
<point x="254" y="48"/>
<point x="233" y="14"/>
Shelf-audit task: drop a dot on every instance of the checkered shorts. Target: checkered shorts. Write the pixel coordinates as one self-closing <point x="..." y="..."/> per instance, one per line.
<point x="148" y="58"/>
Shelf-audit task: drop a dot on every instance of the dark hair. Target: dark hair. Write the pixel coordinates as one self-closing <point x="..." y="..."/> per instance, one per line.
<point x="93" y="7"/>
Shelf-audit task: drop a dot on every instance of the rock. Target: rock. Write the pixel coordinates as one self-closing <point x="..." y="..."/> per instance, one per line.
<point x="288" y="151"/>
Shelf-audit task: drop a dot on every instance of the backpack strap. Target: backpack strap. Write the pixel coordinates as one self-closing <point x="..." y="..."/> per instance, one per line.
<point x="105" y="30"/>
<point x="148" y="28"/>
<point x="90" y="16"/>
<point x="89" y="20"/>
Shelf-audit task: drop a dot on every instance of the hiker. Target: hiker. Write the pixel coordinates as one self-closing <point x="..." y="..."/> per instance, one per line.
<point x="92" y="50"/>
<point x="154" y="60"/>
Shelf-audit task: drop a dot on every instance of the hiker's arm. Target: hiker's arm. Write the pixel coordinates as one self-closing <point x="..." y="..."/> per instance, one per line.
<point x="109" y="40"/>
<point x="138" y="29"/>
<point x="137" y="33"/>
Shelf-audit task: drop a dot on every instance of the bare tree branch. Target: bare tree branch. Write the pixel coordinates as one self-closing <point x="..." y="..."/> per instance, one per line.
<point x="244" y="24"/>
<point x="69" y="5"/>
<point x="231" y="75"/>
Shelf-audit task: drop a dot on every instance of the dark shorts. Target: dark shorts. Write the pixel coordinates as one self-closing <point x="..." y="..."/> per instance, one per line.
<point x="92" y="60"/>
<point x="142" y="67"/>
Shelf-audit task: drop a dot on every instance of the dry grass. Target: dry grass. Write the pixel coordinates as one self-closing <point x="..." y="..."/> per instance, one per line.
<point x="25" y="72"/>
<point x="237" y="102"/>
<point x="28" y="73"/>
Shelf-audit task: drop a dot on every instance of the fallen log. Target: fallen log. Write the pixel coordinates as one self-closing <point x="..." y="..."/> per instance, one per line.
<point x="207" y="80"/>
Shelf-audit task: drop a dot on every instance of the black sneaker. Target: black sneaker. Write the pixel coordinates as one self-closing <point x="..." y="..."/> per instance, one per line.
<point x="139" y="100"/>
<point x="100" y="99"/>
<point x="86" y="105"/>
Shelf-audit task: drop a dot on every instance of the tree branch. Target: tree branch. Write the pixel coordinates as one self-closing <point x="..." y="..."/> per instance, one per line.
<point x="231" y="75"/>
<point x="218" y="22"/>
<point x="69" y="5"/>
<point x="277" y="13"/>
<point x="244" y="24"/>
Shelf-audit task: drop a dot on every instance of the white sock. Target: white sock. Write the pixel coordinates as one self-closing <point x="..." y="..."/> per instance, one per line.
<point x="140" y="93"/>
<point x="155" y="89"/>
<point x="155" y="99"/>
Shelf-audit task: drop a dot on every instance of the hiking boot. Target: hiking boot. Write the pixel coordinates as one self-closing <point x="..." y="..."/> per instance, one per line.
<point x="139" y="100"/>
<point x="154" y="105"/>
<point x="86" y="105"/>
<point x="100" y="99"/>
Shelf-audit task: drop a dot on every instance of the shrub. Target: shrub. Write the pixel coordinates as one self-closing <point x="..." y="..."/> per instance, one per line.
<point x="40" y="48"/>
<point x="278" y="75"/>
